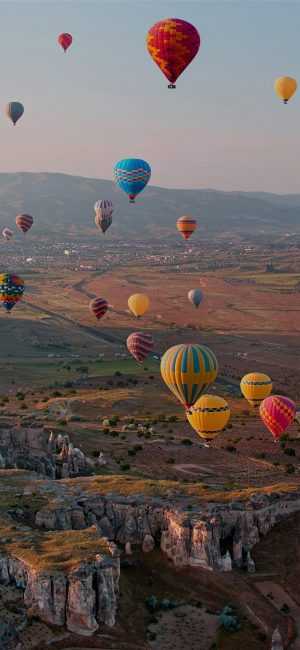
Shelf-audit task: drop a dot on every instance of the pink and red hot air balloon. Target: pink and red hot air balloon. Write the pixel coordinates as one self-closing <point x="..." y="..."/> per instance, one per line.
<point x="24" y="222"/>
<point x="140" y="345"/>
<point x="98" y="307"/>
<point x="277" y="413"/>
<point x="173" y="43"/>
<point x="65" y="40"/>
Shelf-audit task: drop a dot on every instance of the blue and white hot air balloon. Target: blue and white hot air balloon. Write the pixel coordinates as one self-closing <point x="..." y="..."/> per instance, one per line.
<point x="195" y="296"/>
<point x="132" y="176"/>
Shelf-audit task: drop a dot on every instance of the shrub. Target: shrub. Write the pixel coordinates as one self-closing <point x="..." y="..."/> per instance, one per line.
<point x="173" y="418"/>
<point x="106" y="431"/>
<point x="138" y="447"/>
<point x="230" y="448"/>
<point x="125" y="467"/>
<point x="187" y="442"/>
<point x="56" y="393"/>
<point x="289" y="451"/>
<point x="20" y="395"/>
<point x="289" y="469"/>
<point x="131" y="452"/>
<point x="170" y="461"/>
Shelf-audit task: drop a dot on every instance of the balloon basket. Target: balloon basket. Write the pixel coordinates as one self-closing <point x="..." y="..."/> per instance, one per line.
<point x="171" y="86"/>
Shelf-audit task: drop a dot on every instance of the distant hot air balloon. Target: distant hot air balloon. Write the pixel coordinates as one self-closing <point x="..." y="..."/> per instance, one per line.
<point x="195" y="296"/>
<point x="14" y="110"/>
<point x="188" y="370"/>
<point x="297" y="417"/>
<point x="24" y="222"/>
<point x="132" y="176"/>
<point x="285" y="88"/>
<point x="7" y="233"/>
<point x="173" y="43"/>
<point x="256" y="386"/>
<point x="104" y="210"/>
<point x="186" y="226"/>
<point x="209" y="416"/>
<point x="65" y="40"/>
<point x="11" y="290"/>
<point x="139" y="344"/>
<point x="277" y="413"/>
<point x="138" y="304"/>
<point x="98" y="307"/>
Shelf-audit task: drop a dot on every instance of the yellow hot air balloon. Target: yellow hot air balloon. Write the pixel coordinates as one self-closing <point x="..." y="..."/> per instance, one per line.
<point x="285" y="88"/>
<point x="138" y="304"/>
<point x="255" y="387"/>
<point x="188" y="370"/>
<point x="209" y="416"/>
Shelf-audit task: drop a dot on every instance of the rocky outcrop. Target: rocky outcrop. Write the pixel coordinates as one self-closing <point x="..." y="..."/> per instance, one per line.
<point x="26" y="448"/>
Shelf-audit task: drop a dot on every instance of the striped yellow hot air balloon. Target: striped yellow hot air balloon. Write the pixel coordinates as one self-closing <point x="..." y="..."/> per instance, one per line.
<point x="209" y="416"/>
<point x="285" y="88"/>
<point x="255" y="387"/>
<point x="188" y="370"/>
<point x="138" y="304"/>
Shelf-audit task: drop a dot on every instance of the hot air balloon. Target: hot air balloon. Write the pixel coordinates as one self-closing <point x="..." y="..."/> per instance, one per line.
<point x="285" y="88"/>
<point x="188" y="370"/>
<point x="98" y="307"/>
<point x="256" y="386"/>
<point x="186" y="226"/>
<point x="138" y="304"/>
<point x="7" y="233"/>
<point x="132" y="176"/>
<point x="173" y="43"/>
<point x="14" y="110"/>
<point x="139" y="345"/>
<point x="297" y="417"/>
<point x="65" y="40"/>
<point x="277" y="413"/>
<point x="195" y="296"/>
<point x="24" y="222"/>
<point x="11" y="290"/>
<point x="209" y="416"/>
<point x="104" y="210"/>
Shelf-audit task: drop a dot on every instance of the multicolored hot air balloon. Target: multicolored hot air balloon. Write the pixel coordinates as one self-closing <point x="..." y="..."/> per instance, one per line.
<point x="65" y="40"/>
<point x="24" y="222"/>
<point x="188" y="370"/>
<point x="132" y="176"/>
<point x="14" y="110"/>
<point x="209" y="416"/>
<point x="11" y="290"/>
<point x="7" y="233"/>
<point x="138" y="304"/>
<point x="256" y="386"/>
<point x="186" y="226"/>
<point x="195" y="296"/>
<point x="285" y="88"/>
<point x="98" y="307"/>
<point x="277" y="413"/>
<point x="139" y="344"/>
<point x="104" y="210"/>
<point x="173" y="43"/>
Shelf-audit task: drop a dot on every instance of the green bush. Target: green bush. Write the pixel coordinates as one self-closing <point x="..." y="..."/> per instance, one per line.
<point x="125" y="467"/>
<point x="187" y="442"/>
<point x="289" y="451"/>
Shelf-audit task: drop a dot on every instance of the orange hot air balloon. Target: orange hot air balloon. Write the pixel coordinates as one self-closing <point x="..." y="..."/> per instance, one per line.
<point x="173" y="43"/>
<point x="186" y="226"/>
<point x="65" y="40"/>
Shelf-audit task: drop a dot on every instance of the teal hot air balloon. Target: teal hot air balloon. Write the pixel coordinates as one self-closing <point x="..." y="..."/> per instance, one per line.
<point x="195" y="296"/>
<point x="14" y="110"/>
<point x="132" y="176"/>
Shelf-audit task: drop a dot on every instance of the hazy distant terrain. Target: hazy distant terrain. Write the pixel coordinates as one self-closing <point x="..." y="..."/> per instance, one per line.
<point x="59" y="201"/>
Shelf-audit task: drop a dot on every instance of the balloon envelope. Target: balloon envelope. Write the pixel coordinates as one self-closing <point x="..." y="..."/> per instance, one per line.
<point x="277" y="413"/>
<point x="188" y="370"/>
<point x="186" y="226"/>
<point x="65" y="40"/>
<point x="139" y="344"/>
<point x="256" y="386"/>
<point x="132" y="176"/>
<point x="285" y="88"/>
<point x="103" y="217"/>
<point x="209" y="416"/>
<point x="7" y="233"/>
<point x="195" y="296"/>
<point x="173" y="43"/>
<point x="138" y="304"/>
<point x="24" y="222"/>
<point x="14" y="110"/>
<point x="11" y="290"/>
<point x="98" y="307"/>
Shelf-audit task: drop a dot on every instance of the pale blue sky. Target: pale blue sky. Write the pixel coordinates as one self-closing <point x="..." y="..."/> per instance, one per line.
<point x="223" y="126"/>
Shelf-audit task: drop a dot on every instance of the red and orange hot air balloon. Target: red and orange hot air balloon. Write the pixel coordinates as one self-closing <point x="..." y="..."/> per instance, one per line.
<point x="186" y="226"/>
<point x="139" y="345"/>
<point x="24" y="222"/>
<point x="277" y="413"/>
<point x="65" y="40"/>
<point x="98" y="307"/>
<point x="173" y="43"/>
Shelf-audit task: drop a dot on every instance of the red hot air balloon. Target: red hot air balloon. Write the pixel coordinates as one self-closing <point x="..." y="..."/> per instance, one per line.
<point x="173" y="43"/>
<point x="98" y="307"/>
<point x="277" y="413"/>
<point x="24" y="222"/>
<point x="139" y="345"/>
<point x="65" y="40"/>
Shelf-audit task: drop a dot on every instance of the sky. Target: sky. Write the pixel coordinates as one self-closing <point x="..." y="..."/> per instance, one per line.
<point x="223" y="127"/>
